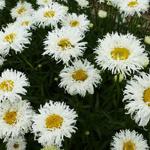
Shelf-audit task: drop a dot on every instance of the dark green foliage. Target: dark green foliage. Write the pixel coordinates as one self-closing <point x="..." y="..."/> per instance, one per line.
<point x="101" y="114"/>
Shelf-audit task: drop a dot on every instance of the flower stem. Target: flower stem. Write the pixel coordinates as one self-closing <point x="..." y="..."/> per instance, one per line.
<point x="118" y="88"/>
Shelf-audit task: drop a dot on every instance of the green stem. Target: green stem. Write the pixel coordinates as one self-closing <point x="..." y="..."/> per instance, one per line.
<point x="118" y="88"/>
<point x="95" y="10"/>
<point x="27" y="62"/>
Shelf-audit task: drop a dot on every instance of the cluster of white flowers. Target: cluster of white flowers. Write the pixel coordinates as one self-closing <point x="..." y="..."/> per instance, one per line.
<point x="55" y="121"/>
<point x="16" y="35"/>
<point x="16" y="114"/>
<point x="121" y="54"/>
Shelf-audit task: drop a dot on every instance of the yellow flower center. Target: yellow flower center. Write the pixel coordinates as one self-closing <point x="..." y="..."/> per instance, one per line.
<point x="129" y="146"/>
<point x="10" y="117"/>
<point x="133" y="3"/>
<point x="10" y="37"/>
<point x="74" y="23"/>
<point x="16" y="145"/>
<point x="21" y="10"/>
<point x="119" y="53"/>
<point x="64" y="43"/>
<point x="7" y="85"/>
<point x="80" y="75"/>
<point x="45" y="1"/>
<point x="25" y="23"/>
<point x="146" y="96"/>
<point x="54" y="121"/>
<point x="49" y="14"/>
<point x="52" y="147"/>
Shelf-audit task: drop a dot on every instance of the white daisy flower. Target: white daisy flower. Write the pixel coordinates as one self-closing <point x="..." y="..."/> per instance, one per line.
<point x="22" y="9"/>
<point x="83" y="3"/>
<point x="15" y="118"/>
<point x="12" y="84"/>
<point x="55" y="121"/>
<point x="137" y="98"/>
<point x="50" y="14"/>
<point x="129" y="140"/>
<point x="13" y="37"/>
<point x="17" y="143"/>
<point x="75" y="21"/>
<point x="131" y="7"/>
<point x="64" y="44"/>
<point x="121" y="53"/>
<point x="26" y="22"/>
<point x="2" y="4"/>
<point x="80" y="78"/>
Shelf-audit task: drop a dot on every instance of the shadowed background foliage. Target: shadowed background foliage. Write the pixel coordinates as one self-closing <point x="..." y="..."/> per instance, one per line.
<point x="101" y="114"/>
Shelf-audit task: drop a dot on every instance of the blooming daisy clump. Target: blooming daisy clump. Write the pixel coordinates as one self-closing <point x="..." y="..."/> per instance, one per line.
<point x="74" y="74"/>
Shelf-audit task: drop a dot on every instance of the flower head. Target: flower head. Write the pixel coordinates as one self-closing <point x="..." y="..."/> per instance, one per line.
<point x="64" y="44"/>
<point x="54" y="122"/>
<point x="17" y="143"/>
<point x="121" y="53"/>
<point x="80" y="78"/>
<point x="12" y="84"/>
<point x="79" y="22"/>
<point x="50" y="15"/>
<point x="13" y="37"/>
<point x="15" y="118"/>
<point x="131" y="7"/>
<point x="137" y="98"/>
<point x="128" y="140"/>
<point x="22" y="9"/>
